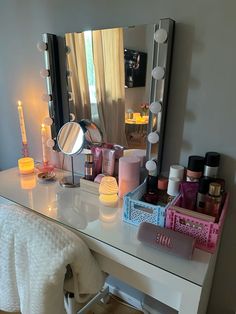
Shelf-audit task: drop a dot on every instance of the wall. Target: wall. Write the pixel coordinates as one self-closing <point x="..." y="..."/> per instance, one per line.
<point x="202" y="106"/>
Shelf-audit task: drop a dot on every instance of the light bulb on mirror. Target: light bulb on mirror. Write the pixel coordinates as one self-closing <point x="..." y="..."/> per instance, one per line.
<point x="160" y="36"/>
<point x="47" y="97"/>
<point x="155" y="107"/>
<point x="69" y="73"/>
<point x="67" y="49"/>
<point x="42" y="46"/>
<point x="44" y="73"/>
<point x="50" y="143"/>
<point x="153" y="137"/>
<point x="151" y="165"/>
<point x="158" y="73"/>
<point x="72" y="117"/>
<point x="48" y="121"/>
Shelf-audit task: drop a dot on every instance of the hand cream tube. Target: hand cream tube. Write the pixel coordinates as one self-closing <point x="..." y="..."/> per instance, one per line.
<point x="108" y="161"/>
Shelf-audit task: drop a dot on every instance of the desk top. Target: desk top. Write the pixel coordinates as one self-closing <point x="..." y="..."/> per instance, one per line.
<point x="83" y="211"/>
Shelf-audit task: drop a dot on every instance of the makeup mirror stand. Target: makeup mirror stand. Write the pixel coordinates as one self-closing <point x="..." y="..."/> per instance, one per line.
<point x="72" y="181"/>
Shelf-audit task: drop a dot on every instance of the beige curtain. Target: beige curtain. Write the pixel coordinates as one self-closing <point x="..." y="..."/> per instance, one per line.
<point x="108" y="54"/>
<point x="78" y="79"/>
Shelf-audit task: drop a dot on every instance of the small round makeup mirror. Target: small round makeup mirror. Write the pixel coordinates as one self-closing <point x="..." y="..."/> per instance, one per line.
<point x="71" y="141"/>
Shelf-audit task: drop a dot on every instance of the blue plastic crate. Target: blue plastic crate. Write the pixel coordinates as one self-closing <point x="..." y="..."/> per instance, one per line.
<point x="136" y="211"/>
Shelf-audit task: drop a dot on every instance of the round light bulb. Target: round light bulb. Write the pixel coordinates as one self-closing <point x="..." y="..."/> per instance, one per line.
<point x="155" y="107"/>
<point x="69" y="73"/>
<point x="47" y="97"/>
<point x="72" y="117"/>
<point x="160" y="36"/>
<point x="70" y="96"/>
<point x="68" y="50"/>
<point x="153" y="137"/>
<point x="158" y="73"/>
<point x="44" y="73"/>
<point x="151" y="165"/>
<point x="50" y="143"/>
<point x="48" y="121"/>
<point x="42" y="46"/>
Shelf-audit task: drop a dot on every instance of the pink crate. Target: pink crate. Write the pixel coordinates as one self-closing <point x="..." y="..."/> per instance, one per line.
<point x="206" y="233"/>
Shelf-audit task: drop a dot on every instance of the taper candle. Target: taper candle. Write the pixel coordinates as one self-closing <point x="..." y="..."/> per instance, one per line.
<point x="22" y="123"/>
<point x="44" y="140"/>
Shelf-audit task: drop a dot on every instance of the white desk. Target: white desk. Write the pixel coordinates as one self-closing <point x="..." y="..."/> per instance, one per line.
<point x="181" y="284"/>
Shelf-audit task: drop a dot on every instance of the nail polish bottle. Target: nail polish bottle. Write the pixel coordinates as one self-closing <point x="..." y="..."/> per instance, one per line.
<point x="89" y="167"/>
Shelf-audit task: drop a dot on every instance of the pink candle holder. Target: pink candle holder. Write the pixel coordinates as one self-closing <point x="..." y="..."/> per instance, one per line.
<point x="45" y="167"/>
<point x="25" y="150"/>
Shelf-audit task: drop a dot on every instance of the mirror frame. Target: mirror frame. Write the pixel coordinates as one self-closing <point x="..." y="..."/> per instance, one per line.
<point x="159" y="88"/>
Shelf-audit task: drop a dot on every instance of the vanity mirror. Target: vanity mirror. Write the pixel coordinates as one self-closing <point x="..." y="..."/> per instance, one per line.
<point x="119" y="78"/>
<point x="72" y="138"/>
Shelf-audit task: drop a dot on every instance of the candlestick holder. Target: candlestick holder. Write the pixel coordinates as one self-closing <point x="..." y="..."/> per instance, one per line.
<point x="25" y="150"/>
<point x="45" y="167"/>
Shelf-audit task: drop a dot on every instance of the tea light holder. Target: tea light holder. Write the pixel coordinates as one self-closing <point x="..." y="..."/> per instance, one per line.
<point x="108" y="190"/>
<point x="26" y="165"/>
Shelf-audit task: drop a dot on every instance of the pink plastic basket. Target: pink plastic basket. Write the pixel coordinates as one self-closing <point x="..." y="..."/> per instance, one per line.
<point x="206" y="233"/>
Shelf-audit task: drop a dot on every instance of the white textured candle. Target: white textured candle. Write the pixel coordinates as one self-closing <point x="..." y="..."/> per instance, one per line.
<point x="44" y="141"/>
<point x="22" y="123"/>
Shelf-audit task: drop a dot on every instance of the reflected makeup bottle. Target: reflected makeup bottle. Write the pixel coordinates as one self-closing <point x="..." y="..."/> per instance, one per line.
<point x="89" y="167"/>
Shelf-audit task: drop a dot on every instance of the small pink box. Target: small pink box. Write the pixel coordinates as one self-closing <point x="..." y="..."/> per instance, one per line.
<point x="207" y="234"/>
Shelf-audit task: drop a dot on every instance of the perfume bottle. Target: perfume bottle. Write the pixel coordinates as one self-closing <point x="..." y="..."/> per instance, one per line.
<point x="89" y="167"/>
<point x="203" y="189"/>
<point x="195" y="168"/>
<point x="211" y="167"/>
<point x="213" y="200"/>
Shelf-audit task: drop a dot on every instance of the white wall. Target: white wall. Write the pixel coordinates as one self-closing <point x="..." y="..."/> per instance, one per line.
<point x="202" y="107"/>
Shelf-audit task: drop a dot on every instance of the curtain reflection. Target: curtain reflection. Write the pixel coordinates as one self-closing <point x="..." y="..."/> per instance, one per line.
<point x="78" y="78"/>
<point x="108" y="64"/>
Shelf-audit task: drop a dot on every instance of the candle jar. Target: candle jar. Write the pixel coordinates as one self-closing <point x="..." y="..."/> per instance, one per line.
<point x="26" y="165"/>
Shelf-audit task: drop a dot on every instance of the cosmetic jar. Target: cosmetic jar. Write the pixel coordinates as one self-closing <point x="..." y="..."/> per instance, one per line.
<point x="211" y="167"/>
<point x="195" y="168"/>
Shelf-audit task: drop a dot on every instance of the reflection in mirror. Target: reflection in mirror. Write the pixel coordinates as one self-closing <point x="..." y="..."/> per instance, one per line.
<point x="103" y="65"/>
<point x="71" y="138"/>
<point x="93" y="134"/>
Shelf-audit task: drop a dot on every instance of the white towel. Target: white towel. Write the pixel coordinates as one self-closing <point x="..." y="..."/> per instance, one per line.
<point x="34" y="253"/>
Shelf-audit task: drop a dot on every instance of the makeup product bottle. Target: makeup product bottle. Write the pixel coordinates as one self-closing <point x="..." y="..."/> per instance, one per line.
<point x="89" y="167"/>
<point x="176" y="171"/>
<point x="108" y="161"/>
<point x="151" y="193"/>
<point x="211" y="167"/>
<point x="195" y="168"/>
<point x="213" y="200"/>
<point x="173" y="188"/>
<point x="203" y="189"/>
<point x="97" y="157"/>
<point x="162" y="196"/>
